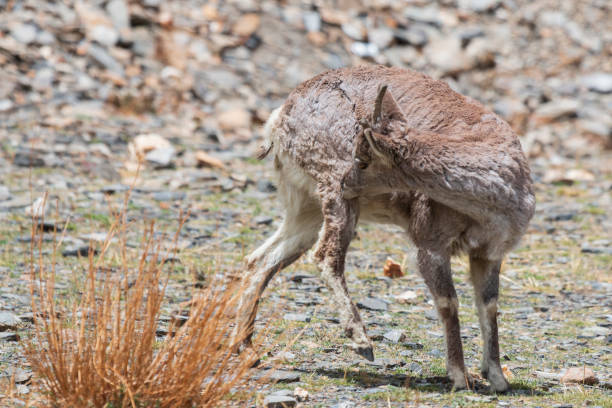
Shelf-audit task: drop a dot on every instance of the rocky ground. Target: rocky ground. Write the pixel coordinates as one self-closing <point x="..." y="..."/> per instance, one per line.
<point x="88" y="87"/>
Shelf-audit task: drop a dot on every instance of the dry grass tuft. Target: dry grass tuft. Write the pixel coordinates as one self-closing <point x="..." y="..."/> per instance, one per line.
<point x="102" y="350"/>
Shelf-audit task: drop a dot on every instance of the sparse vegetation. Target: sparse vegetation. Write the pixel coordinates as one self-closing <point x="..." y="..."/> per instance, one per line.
<point x="105" y="350"/>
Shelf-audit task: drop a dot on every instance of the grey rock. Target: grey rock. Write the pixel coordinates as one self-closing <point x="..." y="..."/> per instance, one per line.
<point x="374" y="304"/>
<point x="590" y="41"/>
<point x="364" y="50"/>
<point x="169" y="195"/>
<point x="412" y="35"/>
<point x="279" y="401"/>
<point x="119" y="14"/>
<point x="9" y="336"/>
<point x="312" y="21"/>
<point x="415" y="368"/>
<point x="284" y="376"/>
<point x="19" y="375"/>
<point x="114" y="188"/>
<point x="600" y="82"/>
<point x="382" y="37"/>
<point x="77" y="250"/>
<point x="413" y="346"/>
<point x="428" y="15"/>
<point x="143" y="42"/>
<point x="470" y="33"/>
<point x="394" y="336"/>
<point x="24" y="33"/>
<point x="344" y="404"/>
<point x="263" y="220"/>
<point x="8" y="321"/>
<point x="586" y="249"/>
<point x="355" y="30"/>
<point x="105" y="35"/>
<point x="431" y="314"/>
<point x="104" y="59"/>
<point x="283" y="393"/>
<point x="43" y="79"/>
<point x="265" y="186"/>
<point x="161" y="158"/>
<point x="556" y="110"/>
<point x="297" y="317"/>
<point x="478" y="6"/>
<point x="5" y="194"/>
<point x="28" y="158"/>
<point x="446" y="54"/>
<point x="6" y="105"/>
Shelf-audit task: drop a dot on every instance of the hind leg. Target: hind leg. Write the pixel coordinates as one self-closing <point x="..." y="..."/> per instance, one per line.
<point x="436" y="271"/>
<point x="297" y="233"/>
<point x="485" y="278"/>
<point x="340" y="219"/>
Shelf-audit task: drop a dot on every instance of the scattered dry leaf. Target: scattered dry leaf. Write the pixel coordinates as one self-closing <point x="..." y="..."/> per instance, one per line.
<point x="392" y="269"/>
<point x="506" y="371"/>
<point x="204" y="159"/>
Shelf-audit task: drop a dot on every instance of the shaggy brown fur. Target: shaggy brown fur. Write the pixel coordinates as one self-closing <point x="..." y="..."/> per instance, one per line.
<point x="439" y="164"/>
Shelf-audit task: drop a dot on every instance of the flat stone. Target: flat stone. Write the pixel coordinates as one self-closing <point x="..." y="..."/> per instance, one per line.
<point x="169" y="195"/>
<point x="600" y="82"/>
<point x="555" y="110"/>
<point x="312" y="21"/>
<point x="478" y="6"/>
<point x="28" y="158"/>
<point x="579" y="375"/>
<point x="24" y="33"/>
<point x="284" y="376"/>
<point x="412" y="345"/>
<point x="431" y="314"/>
<point x="8" y="321"/>
<point x="374" y="304"/>
<point x="266" y="186"/>
<point x="408" y="296"/>
<point x="586" y="249"/>
<point x="394" y="336"/>
<point x="382" y="37"/>
<point x="114" y="188"/>
<point x="9" y="336"/>
<point x="412" y="35"/>
<point x="78" y="250"/>
<point x="161" y="158"/>
<point x="263" y="220"/>
<point x="279" y="401"/>
<point x="297" y="317"/>
<point x="5" y="194"/>
<point x="104" y="59"/>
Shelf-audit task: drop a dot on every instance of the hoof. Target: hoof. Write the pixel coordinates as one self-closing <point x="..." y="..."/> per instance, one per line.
<point x="461" y="381"/>
<point x="365" y="352"/>
<point x="498" y="383"/>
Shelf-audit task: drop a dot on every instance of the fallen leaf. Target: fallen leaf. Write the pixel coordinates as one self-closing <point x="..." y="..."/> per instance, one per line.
<point x="204" y="159"/>
<point x="392" y="269"/>
<point x="506" y="371"/>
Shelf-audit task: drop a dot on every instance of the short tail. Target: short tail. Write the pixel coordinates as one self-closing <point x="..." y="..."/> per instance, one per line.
<point x="269" y="128"/>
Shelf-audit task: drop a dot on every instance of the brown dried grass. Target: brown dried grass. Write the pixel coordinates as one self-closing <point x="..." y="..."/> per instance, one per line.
<point x="102" y="351"/>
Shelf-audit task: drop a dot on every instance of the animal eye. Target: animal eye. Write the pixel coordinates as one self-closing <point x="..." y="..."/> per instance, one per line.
<point x="361" y="163"/>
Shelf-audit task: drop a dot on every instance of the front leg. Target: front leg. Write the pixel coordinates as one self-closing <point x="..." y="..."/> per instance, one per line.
<point x="340" y="219"/>
<point x="435" y="269"/>
<point x="485" y="278"/>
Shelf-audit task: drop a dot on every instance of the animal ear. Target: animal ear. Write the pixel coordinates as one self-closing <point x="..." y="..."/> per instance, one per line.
<point x="386" y="108"/>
